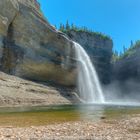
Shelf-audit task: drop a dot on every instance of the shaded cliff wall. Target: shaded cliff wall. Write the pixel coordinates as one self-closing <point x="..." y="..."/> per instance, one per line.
<point x="99" y="48"/>
<point x="126" y="74"/>
<point x="128" y="67"/>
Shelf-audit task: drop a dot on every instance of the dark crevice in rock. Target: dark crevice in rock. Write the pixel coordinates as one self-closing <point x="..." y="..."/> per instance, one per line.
<point x="7" y="53"/>
<point x="11" y="52"/>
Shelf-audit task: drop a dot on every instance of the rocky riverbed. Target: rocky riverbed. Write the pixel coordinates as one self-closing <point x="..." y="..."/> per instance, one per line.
<point x="127" y="128"/>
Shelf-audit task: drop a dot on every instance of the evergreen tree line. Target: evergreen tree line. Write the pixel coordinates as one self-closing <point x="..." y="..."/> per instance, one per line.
<point x="68" y="27"/>
<point x="126" y="51"/>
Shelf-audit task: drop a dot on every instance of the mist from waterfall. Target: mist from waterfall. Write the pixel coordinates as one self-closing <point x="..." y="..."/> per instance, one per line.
<point x="88" y="83"/>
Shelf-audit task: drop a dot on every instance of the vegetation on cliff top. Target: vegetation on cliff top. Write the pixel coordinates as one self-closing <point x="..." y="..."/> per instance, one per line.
<point x="68" y="28"/>
<point x="126" y="51"/>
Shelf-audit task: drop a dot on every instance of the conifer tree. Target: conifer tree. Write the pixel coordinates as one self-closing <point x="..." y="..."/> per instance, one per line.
<point x="67" y="25"/>
<point x="72" y="26"/>
<point x="132" y="44"/>
<point x="61" y="26"/>
<point x="124" y="49"/>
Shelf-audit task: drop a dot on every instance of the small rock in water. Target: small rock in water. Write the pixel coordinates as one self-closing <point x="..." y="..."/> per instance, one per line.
<point x="103" y="117"/>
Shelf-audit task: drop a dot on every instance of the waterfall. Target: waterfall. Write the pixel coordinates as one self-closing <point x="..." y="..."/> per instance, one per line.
<point x="88" y="83"/>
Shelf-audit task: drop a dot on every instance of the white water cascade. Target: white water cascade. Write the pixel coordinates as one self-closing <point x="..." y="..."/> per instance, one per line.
<point x="88" y="83"/>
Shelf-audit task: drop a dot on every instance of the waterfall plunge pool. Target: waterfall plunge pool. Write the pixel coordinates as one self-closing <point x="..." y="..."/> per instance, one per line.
<point x="44" y="115"/>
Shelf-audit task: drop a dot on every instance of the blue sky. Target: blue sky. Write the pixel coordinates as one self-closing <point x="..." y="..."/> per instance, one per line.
<point x="120" y="19"/>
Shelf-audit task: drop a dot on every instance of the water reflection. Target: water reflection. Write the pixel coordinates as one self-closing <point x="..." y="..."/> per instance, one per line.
<point x="44" y="115"/>
<point x="91" y="112"/>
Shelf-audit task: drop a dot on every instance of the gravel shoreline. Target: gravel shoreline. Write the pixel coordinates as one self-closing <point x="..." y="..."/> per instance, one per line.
<point x="122" y="129"/>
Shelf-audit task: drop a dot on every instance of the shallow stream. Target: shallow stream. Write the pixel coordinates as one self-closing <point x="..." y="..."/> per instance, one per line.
<point x="44" y="115"/>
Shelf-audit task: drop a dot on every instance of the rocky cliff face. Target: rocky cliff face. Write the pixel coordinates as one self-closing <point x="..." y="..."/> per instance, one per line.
<point x="128" y="68"/>
<point x="29" y="46"/>
<point x="99" y="47"/>
<point x="33" y="49"/>
<point x="126" y="76"/>
<point x="126" y="73"/>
